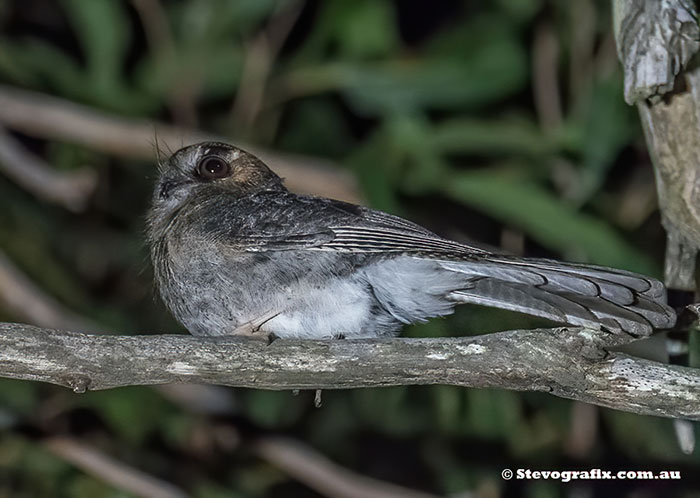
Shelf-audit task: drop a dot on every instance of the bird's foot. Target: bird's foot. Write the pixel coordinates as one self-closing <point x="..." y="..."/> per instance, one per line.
<point x="253" y="329"/>
<point x="250" y="331"/>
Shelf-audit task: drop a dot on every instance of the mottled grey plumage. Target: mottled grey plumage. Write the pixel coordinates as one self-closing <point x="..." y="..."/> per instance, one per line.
<point x="235" y="252"/>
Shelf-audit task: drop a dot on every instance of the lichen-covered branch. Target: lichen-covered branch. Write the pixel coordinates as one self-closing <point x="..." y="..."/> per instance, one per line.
<point x="568" y="362"/>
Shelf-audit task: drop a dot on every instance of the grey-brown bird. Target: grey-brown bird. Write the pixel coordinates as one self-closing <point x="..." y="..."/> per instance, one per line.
<point x="235" y="252"/>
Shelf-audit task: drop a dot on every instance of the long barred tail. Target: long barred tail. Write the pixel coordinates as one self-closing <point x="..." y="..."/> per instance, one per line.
<point x="584" y="295"/>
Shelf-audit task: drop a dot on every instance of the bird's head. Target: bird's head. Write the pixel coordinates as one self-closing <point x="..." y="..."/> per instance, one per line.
<point x="211" y="166"/>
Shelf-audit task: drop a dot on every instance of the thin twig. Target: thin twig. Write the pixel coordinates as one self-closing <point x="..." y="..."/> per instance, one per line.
<point x="155" y="26"/>
<point x="301" y="462"/>
<point x="324" y="476"/>
<point x="108" y="469"/>
<point x="260" y="55"/>
<point x="41" y="115"/>
<point x="183" y="93"/>
<point x="251" y="90"/>
<point x="545" y="84"/>
<point x="582" y="28"/>
<point x="583" y="432"/>
<point x="27" y="302"/>
<point x="568" y="362"/>
<point x="200" y="398"/>
<point x="72" y="190"/>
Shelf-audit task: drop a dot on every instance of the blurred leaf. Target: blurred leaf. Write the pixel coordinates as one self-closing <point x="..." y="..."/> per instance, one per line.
<point x="208" y="52"/>
<point x="38" y="471"/>
<point x="659" y="441"/>
<point x="389" y="409"/>
<point x="103" y="30"/>
<point x="12" y="70"/>
<point x="317" y="128"/>
<point x="19" y="396"/>
<point x="13" y="448"/>
<point x="694" y="348"/>
<point x="256" y="479"/>
<point x="177" y="429"/>
<point x="132" y="412"/>
<point x="492" y="413"/>
<point x="100" y="83"/>
<point x="206" y="23"/>
<point x="608" y="126"/>
<point x="213" y="490"/>
<point x="34" y="62"/>
<point x="363" y="28"/>
<point x="449" y="405"/>
<point x="478" y="78"/>
<point x="27" y="233"/>
<point x="456" y="72"/>
<point x="421" y="164"/>
<point x="377" y="165"/>
<point x="193" y="67"/>
<point x="85" y="486"/>
<point x="350" y="30"/>
<point x="543" y="489"/>
<point x="500" y="137"/>
<point x="548" y="220"/>
<point x="454" y="477"/>
<point x="520" y="11"/>
<point x="333" y="425"/>
<point x="274" y="408"/>
<point x="470" y="319"/>
<point x="534" y="435"/>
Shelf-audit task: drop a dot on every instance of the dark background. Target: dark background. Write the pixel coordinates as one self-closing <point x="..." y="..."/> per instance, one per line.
<point x="496" y="121"/>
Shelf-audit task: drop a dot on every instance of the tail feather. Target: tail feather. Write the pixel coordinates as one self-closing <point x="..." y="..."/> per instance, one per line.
<point x="640" y="284"/>
<point x="519" y="297"/>
<point x="583" y="295"/>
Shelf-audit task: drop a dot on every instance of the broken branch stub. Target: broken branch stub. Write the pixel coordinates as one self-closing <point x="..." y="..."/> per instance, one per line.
<point x="657" y="42"/>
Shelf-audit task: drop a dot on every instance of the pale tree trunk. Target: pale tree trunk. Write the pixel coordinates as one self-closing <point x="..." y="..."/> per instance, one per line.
<point x="657" y="43"/>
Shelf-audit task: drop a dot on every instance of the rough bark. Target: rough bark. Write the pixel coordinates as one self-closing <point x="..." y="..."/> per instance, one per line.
<point x="568" y="362"/>
<point x="657" y="41"/>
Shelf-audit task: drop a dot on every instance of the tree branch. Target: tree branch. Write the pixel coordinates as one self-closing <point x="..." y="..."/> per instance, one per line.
<point x="70" y="189"/>
<point x="27" y="302"/>
<point x="110" y="470"/>
<point x="568" y="362"/>
<point x="324" y="476"/>
<point x="41" y="115"/>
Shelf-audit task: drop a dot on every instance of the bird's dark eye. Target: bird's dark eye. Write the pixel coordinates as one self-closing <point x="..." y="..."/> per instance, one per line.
<point x="213" y="167"/>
